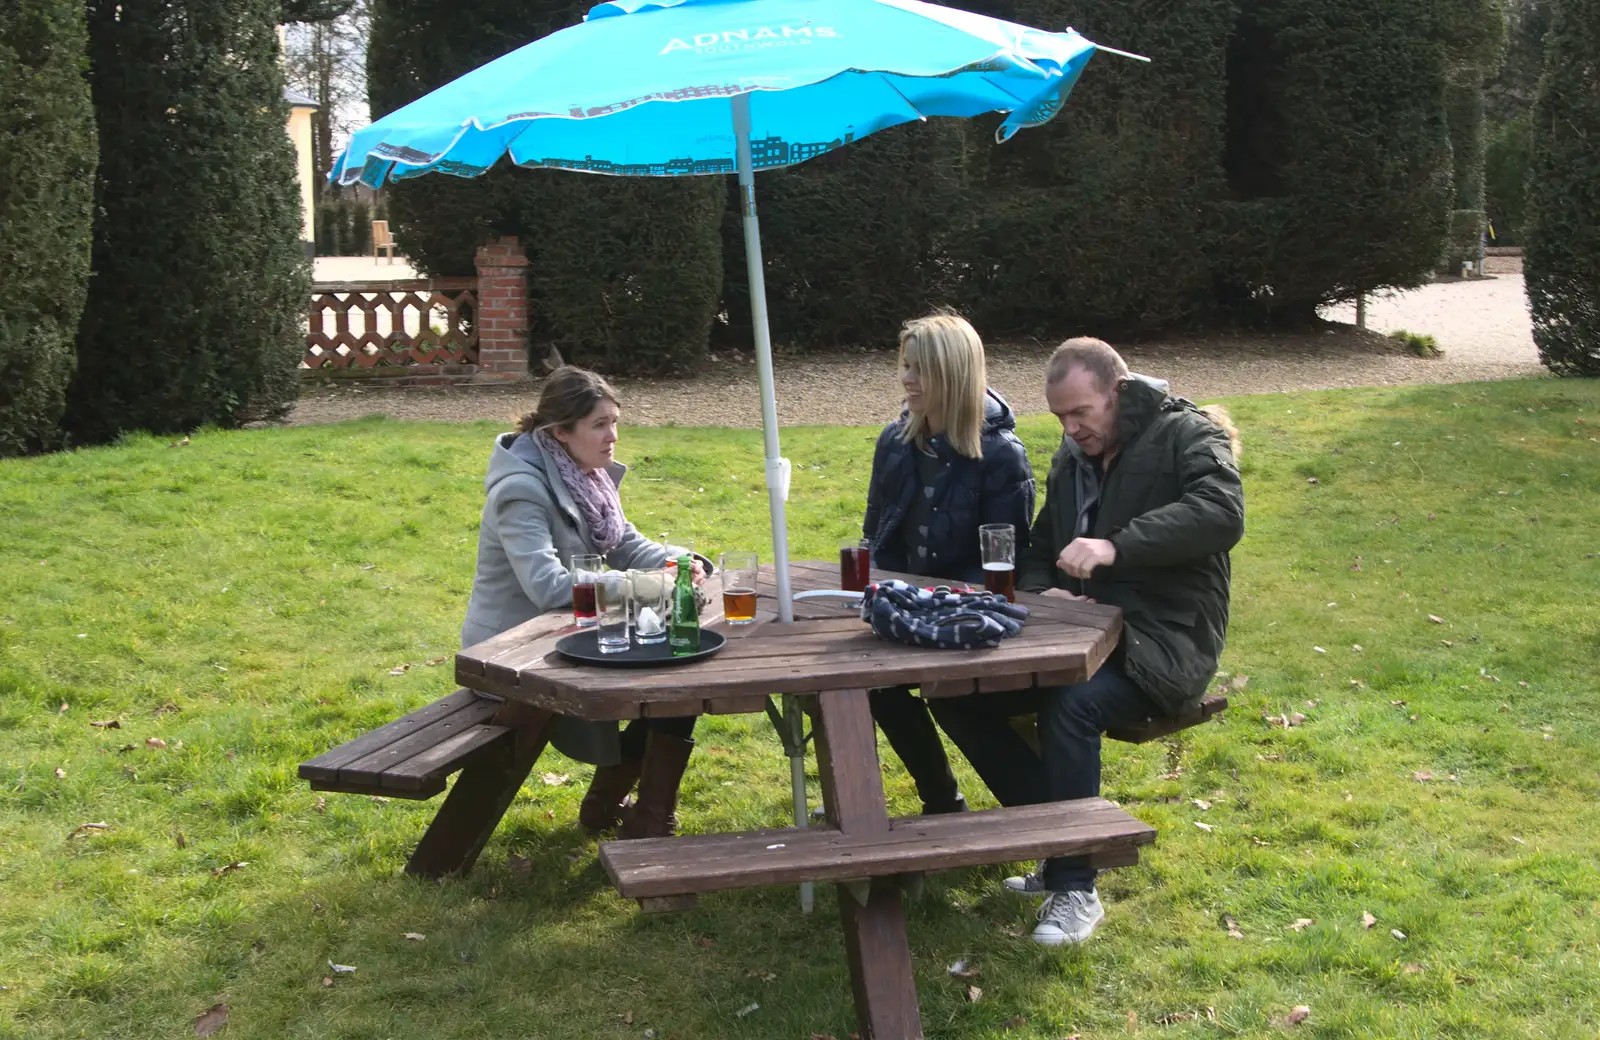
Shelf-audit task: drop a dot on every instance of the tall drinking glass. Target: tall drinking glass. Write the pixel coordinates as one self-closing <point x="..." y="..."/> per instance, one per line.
<point x="739" y="571"/>
<point x="998" y="543"/>
<point x="611" y="611"/>
<point x="652" y="604"/>
<point x="585" y="568"/>
<point x="855" y="566"/>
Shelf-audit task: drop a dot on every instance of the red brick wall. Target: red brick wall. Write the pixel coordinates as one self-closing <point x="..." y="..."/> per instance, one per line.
<point x="502" y="311"/>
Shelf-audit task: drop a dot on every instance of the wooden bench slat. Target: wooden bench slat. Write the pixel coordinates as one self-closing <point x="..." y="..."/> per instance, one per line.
<point x="445" y="758"/>
<point x="1150" y="729"/>
<point x="325" y="767"/>
<point x="680" y="866"/>
<point x="427" y="790"/>
<point x="371" y="768"/>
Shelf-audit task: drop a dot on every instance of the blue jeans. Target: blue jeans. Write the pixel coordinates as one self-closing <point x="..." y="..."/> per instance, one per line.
<point x="1071" y="720"/>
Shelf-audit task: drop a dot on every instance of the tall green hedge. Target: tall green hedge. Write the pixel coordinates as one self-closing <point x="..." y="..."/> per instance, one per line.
<point x="1468" y="148"/>
<point x="1337" y="153"/>
<point x="624" y="274"/>
<point x="1101" y="220"/>
<point x="855" y="241"/>
<point x="1505" y="178"/>
<point x="197" y="307"/>
<point x="1563" y="251"/>
<point x="46" y="196"/>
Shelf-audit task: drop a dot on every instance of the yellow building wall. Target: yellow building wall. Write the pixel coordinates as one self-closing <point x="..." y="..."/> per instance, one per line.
<point x="300" y="134"/>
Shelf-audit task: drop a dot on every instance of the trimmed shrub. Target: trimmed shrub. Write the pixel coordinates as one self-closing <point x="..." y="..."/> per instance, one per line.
<point x="1101" y="221"/>
<point x="1338" y="158"/>
<point x="1505" y="181"/>
<point x="1562" y="258"/>
<point x="1464" y="114"/>
<point x="197" y="308"/>
<point x="626" y="274"/>
<point x="46" y="205"/>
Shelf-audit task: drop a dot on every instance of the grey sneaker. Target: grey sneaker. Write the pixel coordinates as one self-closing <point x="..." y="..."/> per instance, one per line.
<point x="1030" y="884"/>
<point x="1068" y="917"/>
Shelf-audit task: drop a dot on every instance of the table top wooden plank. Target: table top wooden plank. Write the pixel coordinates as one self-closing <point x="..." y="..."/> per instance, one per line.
<point x="831" y="649"/>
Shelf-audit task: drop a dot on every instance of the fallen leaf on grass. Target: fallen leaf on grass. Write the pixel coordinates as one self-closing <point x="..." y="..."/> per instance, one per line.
<point x="430" y="662"/>
<point x="1204" y="826"/>
<point x="1411" y="969"/>
<point x="1201" y="803"/>
<point x="154" y="742"/>
<point x="1238" y="682"/>
<point x="1300" y="1013"/>
<point x="342" y="969"/>
<point x="224" y="871"/>
<point x="627" y="1018"/>
<point x="1398" y="934"/>
<point x="327" y="981"/>
<point x="63" y="709"/>
<point x="962" y="970"/>
<point x="1258" y="841"/>
<point x="1436" y="619"/>
<point x="1367" y="920"/>
<point x="88" y="828"/>
<point x="1312" y="480"/>
<point x="1302" y="924"/>
<point x="1172" y="1018"/>
<point x="1232" y="926"/>
<point x="178" y="839"/>
<point x="1319" y="650"/>
<point x="107" y="724"/>
<point x="1518" y="840"/>
<point x="1016" y="1022"/>
<point x="415" y="936"/>
<point x="1446" y="642"/>
<point x="520" y="865"/>
<point x="1296" y="719"/>
<point x="61" y="774"/>
<point x="212" y="1019"/>
<point x="322" y="804"/>
<point x="124" y="749"/>
<point x="974" y="994"/>
<point x="403" y="669"/>
<point x="555" y="779"/>
<point x="1133" y="1021"/>
<point x="705" y="940"/>
<point x="767" y="976"/>
<point x="1422" y="776"/>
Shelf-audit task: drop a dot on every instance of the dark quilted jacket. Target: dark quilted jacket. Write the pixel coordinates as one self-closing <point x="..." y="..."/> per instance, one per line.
<point x="996" y="489"/>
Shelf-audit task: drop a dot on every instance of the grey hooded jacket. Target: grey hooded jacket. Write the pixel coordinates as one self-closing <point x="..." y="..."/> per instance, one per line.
<point x="530" y="531"/>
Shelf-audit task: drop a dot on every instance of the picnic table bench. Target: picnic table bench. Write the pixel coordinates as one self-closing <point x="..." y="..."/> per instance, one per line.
<point x="829" y="656"/>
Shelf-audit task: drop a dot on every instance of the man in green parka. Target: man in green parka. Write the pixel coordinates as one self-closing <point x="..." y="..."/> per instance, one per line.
<point x="1142" y="505"/>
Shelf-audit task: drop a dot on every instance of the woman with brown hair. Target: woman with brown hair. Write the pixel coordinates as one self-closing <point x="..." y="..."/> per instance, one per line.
<point x="551" y="494"/>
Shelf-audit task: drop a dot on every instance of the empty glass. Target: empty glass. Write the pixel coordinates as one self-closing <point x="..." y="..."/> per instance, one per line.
<point x="611" y="611"/>
<point x="652" y="603"/>
<point x="739" y="571"/>
<point x="584" y="569"/>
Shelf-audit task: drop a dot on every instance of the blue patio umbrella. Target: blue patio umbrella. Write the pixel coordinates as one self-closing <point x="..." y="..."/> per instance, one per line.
<point x="663" y="88"/>
<point x="666" y="88"/>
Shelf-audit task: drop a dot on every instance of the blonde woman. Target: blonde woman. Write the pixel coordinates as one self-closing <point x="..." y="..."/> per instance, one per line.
<point x="551" y="494"/>
<point x="950" y="464"/>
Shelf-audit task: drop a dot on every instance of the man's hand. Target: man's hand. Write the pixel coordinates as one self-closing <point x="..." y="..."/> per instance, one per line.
<point x="1064" y="594"/>
<point x="1085" y="554"/>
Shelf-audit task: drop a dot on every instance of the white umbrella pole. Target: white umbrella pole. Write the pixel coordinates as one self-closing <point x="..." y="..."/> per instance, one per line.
<point x="777" y="466"/>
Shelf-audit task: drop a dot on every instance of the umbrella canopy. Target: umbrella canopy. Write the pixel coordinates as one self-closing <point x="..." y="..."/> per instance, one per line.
<point x="643" y="88"/>
<point x="694" y="87"/>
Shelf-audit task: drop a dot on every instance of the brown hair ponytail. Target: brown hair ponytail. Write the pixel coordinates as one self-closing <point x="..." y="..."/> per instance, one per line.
<point x="568" y="396"/>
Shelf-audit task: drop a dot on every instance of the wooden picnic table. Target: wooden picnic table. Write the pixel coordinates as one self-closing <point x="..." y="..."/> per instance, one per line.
<point x="829" y="653"/>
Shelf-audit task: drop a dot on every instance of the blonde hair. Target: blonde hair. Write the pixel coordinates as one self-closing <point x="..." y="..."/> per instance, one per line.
<point x="947" y="355"/>
<point x="568" y="396"/>
<point x="1095" y="356"/>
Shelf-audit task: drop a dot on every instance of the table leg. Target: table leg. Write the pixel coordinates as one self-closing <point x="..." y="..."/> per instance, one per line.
<point x="875" y="933"/>
<point x="480" y="797"/>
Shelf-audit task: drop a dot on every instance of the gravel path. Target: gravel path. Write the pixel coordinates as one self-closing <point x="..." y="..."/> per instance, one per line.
<point x="1481" y="324"/>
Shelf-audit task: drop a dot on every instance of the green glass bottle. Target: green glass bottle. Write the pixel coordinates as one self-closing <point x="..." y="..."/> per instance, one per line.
<point x="683" y="635"/>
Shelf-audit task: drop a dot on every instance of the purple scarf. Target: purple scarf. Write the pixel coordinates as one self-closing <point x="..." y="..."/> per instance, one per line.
<point x="594" y="493"/>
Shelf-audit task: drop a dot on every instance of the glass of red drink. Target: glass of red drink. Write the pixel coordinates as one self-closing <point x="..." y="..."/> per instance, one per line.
<point x="998" y="543"/>
<point x="585" y="569"/>
<point x="855" y="566"/>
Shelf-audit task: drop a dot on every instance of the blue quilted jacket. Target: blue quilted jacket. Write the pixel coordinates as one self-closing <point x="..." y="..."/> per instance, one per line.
<point x="996" y="489"/>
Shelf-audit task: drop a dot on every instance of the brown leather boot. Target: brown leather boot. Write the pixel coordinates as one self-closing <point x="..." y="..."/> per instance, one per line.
<point x="652" y="813"/>
<point x="602" y="806"/>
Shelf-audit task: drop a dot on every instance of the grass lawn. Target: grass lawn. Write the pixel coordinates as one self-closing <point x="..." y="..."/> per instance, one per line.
<point x="1428" y="604"/>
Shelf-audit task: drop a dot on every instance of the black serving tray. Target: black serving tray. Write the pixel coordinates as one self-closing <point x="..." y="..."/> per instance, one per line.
<point x="585" y="647"/>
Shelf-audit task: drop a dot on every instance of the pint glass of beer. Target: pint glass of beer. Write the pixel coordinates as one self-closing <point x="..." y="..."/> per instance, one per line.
<point x="739" y="587"/>
<point x="998" y="543"/>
